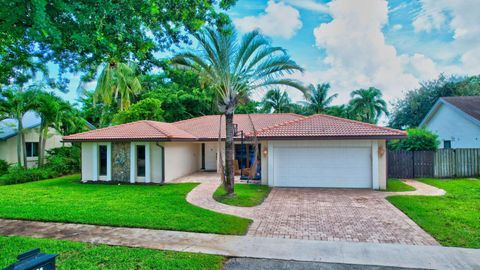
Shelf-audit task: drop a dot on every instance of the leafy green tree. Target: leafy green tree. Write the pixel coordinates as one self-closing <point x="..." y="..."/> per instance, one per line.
<point x="367" y="105"/>
<point x="417" y="140"/>
<point x="146" y="109"/>
<point x="250" y="106"/>
<point x="318" y="99"/>
<point x="119" y="82"/>
<point x="96" y="113"/>
<point x="80" y="35"/>
<point x="235" y="69"/>
<point x="343" y="111"/>
<point x="70" y="120"/>
<point x="276" y="101"/>
<point x="14" y="103"/>
<point x="410" y="110"/>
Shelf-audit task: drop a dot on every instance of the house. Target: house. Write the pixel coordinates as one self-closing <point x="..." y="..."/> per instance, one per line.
<point x="456" y="121"/>
<point x="294" y="150"/>
<point x="8" y="138"/>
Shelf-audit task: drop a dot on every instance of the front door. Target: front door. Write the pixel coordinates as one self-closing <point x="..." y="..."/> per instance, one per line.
<point x="211" y="156"/>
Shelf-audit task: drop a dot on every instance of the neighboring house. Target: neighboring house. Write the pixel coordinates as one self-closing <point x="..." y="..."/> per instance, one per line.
<point x="8" y="138"/>
<point x="294" y="151"/>
<point x="456" y="121"/>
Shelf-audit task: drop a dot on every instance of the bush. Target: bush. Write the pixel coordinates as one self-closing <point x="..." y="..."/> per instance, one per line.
<point x="417" y="140"/>
<point x="64" y="160"/>
<point x="17" y="175"/>
<point x="3" y="167"/>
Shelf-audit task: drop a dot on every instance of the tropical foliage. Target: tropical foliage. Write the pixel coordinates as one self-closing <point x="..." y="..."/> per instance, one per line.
<point x="276" y="101"/>
<point x="368" y="105"/>
<point x="410" y="110"/>
<point x="235" y="69"/>
<point x="417" y="140"/>
<point x="146" y="109"/>
<point x="318" y="100"/>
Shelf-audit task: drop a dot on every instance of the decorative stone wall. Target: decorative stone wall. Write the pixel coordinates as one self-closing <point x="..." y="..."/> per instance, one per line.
<point x="121" y="162"/>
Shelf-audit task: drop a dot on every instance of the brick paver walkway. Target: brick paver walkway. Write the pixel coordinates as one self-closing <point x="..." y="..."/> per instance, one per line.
<point x="322" y="214"/>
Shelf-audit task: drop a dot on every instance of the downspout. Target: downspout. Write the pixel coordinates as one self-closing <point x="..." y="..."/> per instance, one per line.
<point x="163" y="161"/>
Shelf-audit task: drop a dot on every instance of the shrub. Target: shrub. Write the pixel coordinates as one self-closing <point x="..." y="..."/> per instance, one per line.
<point x="64" y="160"/>
<point x="417" y="140"/>
<point x="17" y="175"/>
<point x="3" y="167"/>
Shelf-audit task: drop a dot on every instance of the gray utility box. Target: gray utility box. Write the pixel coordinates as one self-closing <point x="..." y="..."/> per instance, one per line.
<point x="34" y="260"/>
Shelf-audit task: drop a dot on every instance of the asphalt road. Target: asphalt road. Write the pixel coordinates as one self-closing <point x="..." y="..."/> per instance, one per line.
<point x="270" y="264"/>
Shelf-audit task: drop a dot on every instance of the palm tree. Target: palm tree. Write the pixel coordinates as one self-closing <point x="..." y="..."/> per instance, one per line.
<point x="236" y="69"/>
<point x="318" y="99"/>
<point x="118" y="82"/>
<point x="276" y="101"/>
<point x="14" y="103"/>
<point x="368" y="105"/>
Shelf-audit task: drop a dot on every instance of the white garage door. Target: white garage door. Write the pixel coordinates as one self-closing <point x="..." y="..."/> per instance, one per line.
<point x="322" y="167"/>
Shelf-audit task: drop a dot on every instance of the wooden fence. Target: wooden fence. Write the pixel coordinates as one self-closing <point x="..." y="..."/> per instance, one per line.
<point x="443" y="163"/>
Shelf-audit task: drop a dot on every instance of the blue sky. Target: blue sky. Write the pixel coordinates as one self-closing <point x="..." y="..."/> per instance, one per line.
<point x="392" y="45"/>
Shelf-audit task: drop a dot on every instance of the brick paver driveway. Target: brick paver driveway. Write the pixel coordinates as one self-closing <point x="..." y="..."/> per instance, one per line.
<point x="322" y="214"/>
<point x="335" y="215"/>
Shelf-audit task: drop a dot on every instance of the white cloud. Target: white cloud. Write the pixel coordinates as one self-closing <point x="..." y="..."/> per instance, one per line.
<point x="356" y="51"/>
<point x="421" y="66"/>
<point x="308" y="4"/>
<point x="278" y="19"/>
<point x="397" y="27"/>
<point x="430" y="17"/>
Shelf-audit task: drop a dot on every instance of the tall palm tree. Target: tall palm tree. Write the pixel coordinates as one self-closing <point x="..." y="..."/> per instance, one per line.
<point x="318" y="99"/>
<point x="276" y="101"/>
<point x="117" y="83"/>
<point x="368" y="105"/>
<point x="235" y="69"/>
<point x="14" y="103"/>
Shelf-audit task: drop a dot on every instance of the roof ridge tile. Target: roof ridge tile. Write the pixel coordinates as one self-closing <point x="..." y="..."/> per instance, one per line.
<point x="360" y="122"/>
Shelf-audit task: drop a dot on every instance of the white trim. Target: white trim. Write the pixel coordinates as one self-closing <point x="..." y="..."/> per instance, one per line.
<point x="270" y="165"/>
<point x="109" y="161"/>
<point x="133" y="163"/>
<point x="375" y="180"/>
<point x="436" y="107"/>
<point x="95" y="161"/>
<point x="107" y="177"/>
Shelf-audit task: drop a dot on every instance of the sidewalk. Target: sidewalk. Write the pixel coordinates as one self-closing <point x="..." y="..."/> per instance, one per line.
<point x="394" y="255"/>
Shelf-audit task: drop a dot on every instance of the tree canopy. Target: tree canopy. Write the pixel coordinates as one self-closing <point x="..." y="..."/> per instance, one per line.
<point x="417" y="140"/>
<point x="410" y="110"/>
<point x="80" y="35"/>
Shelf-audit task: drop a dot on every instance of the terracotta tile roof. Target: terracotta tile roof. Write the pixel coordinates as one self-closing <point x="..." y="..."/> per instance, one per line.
<point x="206" y="127"/>
<point x="271" y="126"/>
<point x="469" y="105"/>
<point x="140" y="130"/>
<point x="326" y="126"/>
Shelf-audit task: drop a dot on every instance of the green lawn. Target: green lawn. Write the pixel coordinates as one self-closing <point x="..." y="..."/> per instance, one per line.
<point x="453" y="219"/>
<point x="77" y="255"/>
<point x="65" y="199"/>
<point x="246" y="195"/>
<point x="395" y="185"/>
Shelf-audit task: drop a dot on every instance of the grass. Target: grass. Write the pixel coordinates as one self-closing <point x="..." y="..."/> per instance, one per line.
<point x="77" y="255"/>
<point x="395" y="185"/>
<point x="65" y="199"/>
<point x="246" y="195"/>
<point x="453" y="219"/>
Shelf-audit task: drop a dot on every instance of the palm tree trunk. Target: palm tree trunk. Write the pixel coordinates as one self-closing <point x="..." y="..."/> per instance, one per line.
<point x="24" y="144"/>
<point x="19" y="148"/>
<point x="40" y="140"/>
<point x="229" y="153"/>
<point x="44" y="142"/>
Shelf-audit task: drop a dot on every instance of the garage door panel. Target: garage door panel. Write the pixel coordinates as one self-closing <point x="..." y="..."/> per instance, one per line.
<point x="322" y="167"/>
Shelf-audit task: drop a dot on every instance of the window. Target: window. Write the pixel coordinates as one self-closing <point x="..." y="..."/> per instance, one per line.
<point x="447" y="144"/>
<point x="32" y="149"/>
<point x="102" y="159"/>
<point x="141" y="160"/>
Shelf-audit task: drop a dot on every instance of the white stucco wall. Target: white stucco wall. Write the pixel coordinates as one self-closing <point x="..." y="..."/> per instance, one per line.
<point x="8" y="148"/>
<point x="156" y="160"/>
<point x="181" y="159"/>
<point x="87" y="161"/>
<point x="449" y="124"/>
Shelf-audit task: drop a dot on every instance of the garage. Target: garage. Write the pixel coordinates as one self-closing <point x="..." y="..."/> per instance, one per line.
<point x="322" y="166"/>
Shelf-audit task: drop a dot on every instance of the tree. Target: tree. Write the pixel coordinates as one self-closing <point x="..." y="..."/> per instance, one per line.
<point x="235" y="69"/>
<point x="47" y="106"/>
<point x="250" y="106"/>
<point x="410" y="110"/>
<point x="318" y="99"/>
<point x="96" y="113"/>
<point x="14" y="103"/>
<point x="417" y="140"/>
<point x="343" y="111"/>
<point x="276" y="101"/>
<point x="117" y="80"/>
<point x="80" y="35"/>
<point x="367" y="105"/>
<point x="146" y="109"/>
